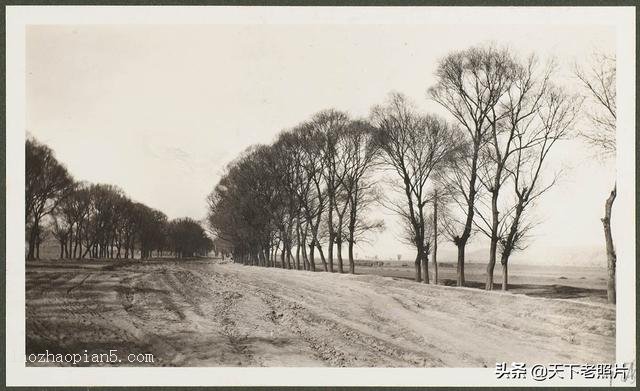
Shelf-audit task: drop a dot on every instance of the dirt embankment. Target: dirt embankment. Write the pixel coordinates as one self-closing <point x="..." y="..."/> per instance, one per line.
<point x="203" y="313"/>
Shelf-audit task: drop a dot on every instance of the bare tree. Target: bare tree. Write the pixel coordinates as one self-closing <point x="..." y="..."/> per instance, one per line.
<point x="358" y="192"/>
<point x="553" y="122"/>
<point x="284" y="151"/>
<point x="47" y="182"/>
<point x="600" y="84"/>
<point x="439" y="197"/>
<point x="69" y="218"/>
<point x="470" y="85"/>
<point x="434" y="229"/>
<point x="413" y="146"/>
<point x="311" y="189"/>
<point x="301" y="147"/>
<point x="519" y="105"/>
<point x="100" y="220"/>
<point x="245" y="205"/>
<point x="331" y="126"/>
<point x="61" y="231"/>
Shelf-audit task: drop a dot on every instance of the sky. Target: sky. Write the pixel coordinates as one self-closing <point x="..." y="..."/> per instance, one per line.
<point x="159" y="110"/>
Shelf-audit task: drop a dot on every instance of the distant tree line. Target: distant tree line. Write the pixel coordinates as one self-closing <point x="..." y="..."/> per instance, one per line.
<point x="307" y="191"/>
<point x="480" y="171"/>
<point x="97" y="220"/>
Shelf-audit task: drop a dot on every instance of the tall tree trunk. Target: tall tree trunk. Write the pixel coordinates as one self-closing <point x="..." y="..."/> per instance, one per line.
<point x="340" y="263"/>
<point x="340" y="240"/>
<point x="282" y="255"/>
<point x="330" y="254"/>
<point x="32" y="247"/>
<point x="331" y="237"/>
<point x="611" y="251"/>
<point x="461" y="241"/>
<point x="352" y="263"/>
<point x="352" y="233"/>
<point x="435" y="239"/>
<point x="31" y="250"/>
<point x="314" y="241"/>
<point x="460" y="269"/>
<point x="505" y="275"/>
<point x="491" y="265"/>
<point x="425" y="265"/>
<point x="493" y="247"/>
<point x="510" y="243"/>
<point x="298" y="257"/>
<point x="418" y="274"/>
<point x="297" y="244"/>
<point x="288" y="246"/>
<point x="312" y="261"/>
<point x="33" y="233"/>
<point x="75" y="246"/>
<point x="68" y="245"/>
<point x="322" y="258"/>
<point x="305" y="258"/>
<point x="303" y="242"/>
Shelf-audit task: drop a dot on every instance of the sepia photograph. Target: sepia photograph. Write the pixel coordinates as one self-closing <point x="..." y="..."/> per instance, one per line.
<point x="321" y="196"/>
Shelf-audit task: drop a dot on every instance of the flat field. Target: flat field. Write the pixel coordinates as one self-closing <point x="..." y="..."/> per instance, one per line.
<point x="551" y="281"/>
<point x="211" y="313"/>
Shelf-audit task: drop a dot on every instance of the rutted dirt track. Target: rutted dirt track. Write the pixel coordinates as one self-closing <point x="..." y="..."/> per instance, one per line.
<point x="206" y="313"/>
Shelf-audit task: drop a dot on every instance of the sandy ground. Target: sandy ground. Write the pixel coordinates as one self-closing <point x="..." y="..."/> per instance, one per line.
<point x="207" y="313"/>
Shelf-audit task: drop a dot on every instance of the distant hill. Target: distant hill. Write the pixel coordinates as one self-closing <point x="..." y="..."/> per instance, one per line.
<point x="565" y="255"/>
<point x="591" y="256"/>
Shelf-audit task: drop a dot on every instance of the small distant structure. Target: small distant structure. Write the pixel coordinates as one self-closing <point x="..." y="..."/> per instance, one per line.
<point x="399" y="257"/>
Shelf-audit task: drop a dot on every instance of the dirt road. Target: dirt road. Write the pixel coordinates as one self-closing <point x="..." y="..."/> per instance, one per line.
<point x="204" y="313"/>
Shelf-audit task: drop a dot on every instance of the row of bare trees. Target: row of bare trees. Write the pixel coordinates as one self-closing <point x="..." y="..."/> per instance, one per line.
<point x="481" y="171"/>
<point x="307" y="190"/>
<point x="97" y="220"/>
<point x="512" y="112"/>
<point x="47" y="182"/>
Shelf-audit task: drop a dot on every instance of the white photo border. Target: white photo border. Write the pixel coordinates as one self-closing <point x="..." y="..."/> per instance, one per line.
<point x="18" y="17"/>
